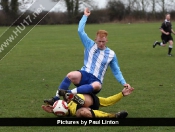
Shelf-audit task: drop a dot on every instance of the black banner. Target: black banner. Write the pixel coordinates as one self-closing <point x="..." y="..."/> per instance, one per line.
<point x="87" y="122"/>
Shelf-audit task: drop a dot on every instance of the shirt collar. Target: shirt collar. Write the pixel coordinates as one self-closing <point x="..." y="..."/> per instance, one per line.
<point x="166" y="20"/>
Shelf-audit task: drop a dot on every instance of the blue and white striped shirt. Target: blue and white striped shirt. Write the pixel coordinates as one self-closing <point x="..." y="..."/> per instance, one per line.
<point x="96" y="61"/>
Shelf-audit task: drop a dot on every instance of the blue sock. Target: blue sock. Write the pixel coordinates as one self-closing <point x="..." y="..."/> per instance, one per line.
<point x="65" y="84"/>
<point x="87" y="88"/>
<point x="56" y="98"/>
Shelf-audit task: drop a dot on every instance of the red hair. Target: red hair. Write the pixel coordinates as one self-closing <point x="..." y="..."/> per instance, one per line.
<point x="102" y="33"/>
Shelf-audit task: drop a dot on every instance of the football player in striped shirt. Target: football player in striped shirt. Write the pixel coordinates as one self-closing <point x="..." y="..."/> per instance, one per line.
<point x="97" y="58"/>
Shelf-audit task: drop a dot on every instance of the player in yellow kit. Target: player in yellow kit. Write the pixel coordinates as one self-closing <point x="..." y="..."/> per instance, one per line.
<point x="91" y="105"/>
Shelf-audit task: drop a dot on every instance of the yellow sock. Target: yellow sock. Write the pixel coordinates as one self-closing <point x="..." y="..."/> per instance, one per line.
<point x="110" y="100"/>
<point x="101" y="114"/>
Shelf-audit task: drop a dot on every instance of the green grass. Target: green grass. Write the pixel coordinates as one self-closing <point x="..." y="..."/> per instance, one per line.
<point x="33" y="70"/>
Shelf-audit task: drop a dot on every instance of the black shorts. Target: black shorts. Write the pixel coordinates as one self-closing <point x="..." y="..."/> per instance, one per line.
<point x="95" y="105"/>
<point x="166" y="38"/>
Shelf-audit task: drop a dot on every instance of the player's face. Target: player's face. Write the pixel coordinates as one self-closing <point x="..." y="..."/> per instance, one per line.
<point x="101" y="42"/>
<point x="168" y="17"/>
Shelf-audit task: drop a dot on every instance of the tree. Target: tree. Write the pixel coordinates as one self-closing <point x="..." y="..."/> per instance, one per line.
<point x="24" y="4"/>
<point x="9" y="6"/>
<point x="130" y="5"/>
<point x="116" y="9"/>
<point x="144" y="4"/>
<point x="141" y="5"/>
<point x="163" y="6"/>
<point x="5" y="5"/>
<point x="153" y="4"/>
<point x="14" y="7"/>
<point x="74" y="6"/>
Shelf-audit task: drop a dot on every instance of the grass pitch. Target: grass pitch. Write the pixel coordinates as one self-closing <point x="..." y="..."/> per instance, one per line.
<point x="33" y="70"/>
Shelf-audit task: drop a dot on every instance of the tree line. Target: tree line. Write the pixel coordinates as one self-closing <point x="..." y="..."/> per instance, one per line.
<point x="115" y="10"/>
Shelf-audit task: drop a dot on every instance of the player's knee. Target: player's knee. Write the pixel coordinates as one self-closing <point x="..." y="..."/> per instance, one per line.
<point x="96" y="85"/>
<point x="171" y="43"/>
<point x="70" y="75"/>
<point x="74" y="75"/>
<point x="84" y="112"/>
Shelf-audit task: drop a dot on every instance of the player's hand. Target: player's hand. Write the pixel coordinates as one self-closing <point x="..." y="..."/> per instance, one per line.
<point x="126" y="91"/>
<point x="127" y="85"/>
<point x="47" y="108"/>
<point x="87" y="12"/>
<point x="167" y="33"/>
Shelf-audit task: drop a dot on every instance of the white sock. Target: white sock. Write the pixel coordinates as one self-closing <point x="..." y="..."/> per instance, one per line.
<point x="74" y="91"/>
<point x="161" y="44"/>
<point x="57" y="94"/>
<point x="170" y="46"/>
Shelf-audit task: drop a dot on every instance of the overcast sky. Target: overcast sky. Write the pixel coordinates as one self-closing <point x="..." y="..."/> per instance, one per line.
<point x="58" y="6"/>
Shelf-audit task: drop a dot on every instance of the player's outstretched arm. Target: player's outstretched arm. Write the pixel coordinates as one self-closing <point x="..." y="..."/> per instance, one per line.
<point x="87" y="42"/>
<point x="117" y="73"/>
<point x="111" y="100"/>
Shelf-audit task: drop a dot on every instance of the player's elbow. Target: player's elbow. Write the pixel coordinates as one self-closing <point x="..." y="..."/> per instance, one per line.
<point x="80" y="30"/>
<point x="161" y="30"/>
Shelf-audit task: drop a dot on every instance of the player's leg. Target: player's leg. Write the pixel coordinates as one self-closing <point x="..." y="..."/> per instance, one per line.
<point x="170" y="47"/>
<point x="163" y="43"/>
<point x="159" y="43"/>
<point x="89" y="113"/>
<point x="87" y="84"/>
<point x="74" y="77"/>
<point x="84" y="100"/>
<point x="87" y="100"/>
<point x="101" y="114"/>
<point x="87" y="88"/>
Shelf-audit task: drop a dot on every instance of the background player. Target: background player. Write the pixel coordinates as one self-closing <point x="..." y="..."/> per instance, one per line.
<point x="166" y="30"/>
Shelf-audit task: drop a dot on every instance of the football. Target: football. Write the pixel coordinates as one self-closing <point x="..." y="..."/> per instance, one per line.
<point x="60" y="108"/>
